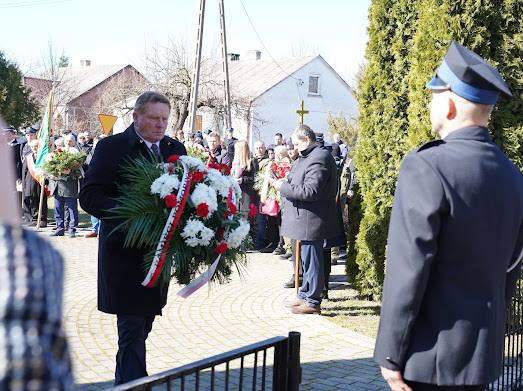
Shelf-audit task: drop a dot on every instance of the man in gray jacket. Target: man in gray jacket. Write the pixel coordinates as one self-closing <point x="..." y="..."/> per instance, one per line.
<point x="309" y="213"/>
<point x="455" y="239"/>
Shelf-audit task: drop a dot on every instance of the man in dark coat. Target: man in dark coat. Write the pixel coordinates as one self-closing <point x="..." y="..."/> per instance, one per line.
<point x="309" y="213"/>
<point x="15" y="147"/>
<point x="31" y="189"/>
<point x="455" y="240"/>
<point x="120" y="269"/>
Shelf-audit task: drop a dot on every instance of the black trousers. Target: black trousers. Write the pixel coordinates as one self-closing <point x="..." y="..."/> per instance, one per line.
<point x="433" y="387"/>
<point x="130" y="359"/>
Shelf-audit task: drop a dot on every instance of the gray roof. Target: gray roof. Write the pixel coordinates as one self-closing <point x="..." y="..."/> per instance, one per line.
<point x="76" y="81"/>
<point x="251" y="78"/>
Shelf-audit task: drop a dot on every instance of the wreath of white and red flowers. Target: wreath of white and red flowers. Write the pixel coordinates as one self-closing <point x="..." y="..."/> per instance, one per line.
<point x="185" y="215"/>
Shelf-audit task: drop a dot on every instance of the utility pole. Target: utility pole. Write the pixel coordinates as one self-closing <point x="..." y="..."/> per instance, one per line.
<point x="196" y="71"/>
<point x="193" y="105"/>
<point x="228" y="122"/>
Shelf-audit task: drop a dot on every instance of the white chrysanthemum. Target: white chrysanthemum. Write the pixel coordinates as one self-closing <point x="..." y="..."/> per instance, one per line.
<point x="196" y="233"/>
<point x="236" y="237"/>
<point x="219" y="182"/>
<point x="236" y="189"/>
<point x="165" y="184"/>
<point x="193" y="162"/>
<point x="205" y="194"/>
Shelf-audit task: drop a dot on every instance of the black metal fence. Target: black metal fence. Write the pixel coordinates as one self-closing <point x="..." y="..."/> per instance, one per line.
<point x="511" y="378"/>
<point x="273" y="364"/>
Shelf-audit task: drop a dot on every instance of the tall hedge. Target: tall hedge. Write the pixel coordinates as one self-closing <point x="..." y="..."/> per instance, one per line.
<point x="383" y="102"/>
<point x="407" y="41"/>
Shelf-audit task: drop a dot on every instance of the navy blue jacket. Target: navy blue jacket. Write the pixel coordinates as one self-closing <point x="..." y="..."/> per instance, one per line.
<point x="456" y="227"/>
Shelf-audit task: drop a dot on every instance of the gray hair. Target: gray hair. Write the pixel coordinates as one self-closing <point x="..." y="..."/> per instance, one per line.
<point x="281" y="150"/>
<point x="150" y="97"/>
<point x="303" y="131"/>
<point x="260" y="143"/>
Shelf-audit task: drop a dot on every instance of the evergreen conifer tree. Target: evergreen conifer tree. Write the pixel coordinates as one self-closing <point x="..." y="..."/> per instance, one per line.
<point x="407" y="41"/>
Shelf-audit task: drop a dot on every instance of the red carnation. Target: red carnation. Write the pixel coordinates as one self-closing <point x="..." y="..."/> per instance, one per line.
<point x="213" y="165"/>
<point x="221" y="248"/>
<point x="170" y="201"/>
<point x="225" y="169"/>
<point x="252" y="211"/>
<point x="197" y="176"/>
<point x="59" y="150"/>
<point x="202" y="210"/>
<point x="173" y="158"/>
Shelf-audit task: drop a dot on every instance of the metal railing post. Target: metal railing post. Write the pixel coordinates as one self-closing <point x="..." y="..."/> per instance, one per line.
<point x="294" y="367"/>
<point x="280" y="369"/>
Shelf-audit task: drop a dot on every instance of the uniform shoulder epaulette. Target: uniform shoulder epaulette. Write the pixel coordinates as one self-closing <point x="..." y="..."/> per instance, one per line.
<point x="430" y="144"/>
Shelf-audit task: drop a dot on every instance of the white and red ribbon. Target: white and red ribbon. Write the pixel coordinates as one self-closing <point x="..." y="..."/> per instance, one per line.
<point x="168" y="230"/>
<point x="200" y="281"/>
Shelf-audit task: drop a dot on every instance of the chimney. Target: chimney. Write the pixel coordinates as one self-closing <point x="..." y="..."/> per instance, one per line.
<point x="234" y="57"/>
<point x="85" y="63"/>
<point x="253" y="55"/>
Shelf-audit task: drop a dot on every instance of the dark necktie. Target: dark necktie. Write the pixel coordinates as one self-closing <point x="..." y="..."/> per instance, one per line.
<point x="156" y="151"/>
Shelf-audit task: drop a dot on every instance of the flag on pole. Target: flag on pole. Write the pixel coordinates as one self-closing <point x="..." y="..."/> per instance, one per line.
<point x="44" y="134"/>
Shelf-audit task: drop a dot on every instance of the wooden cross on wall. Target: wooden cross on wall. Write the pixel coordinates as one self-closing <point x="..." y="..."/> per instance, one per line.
<point x="301" y="112"/>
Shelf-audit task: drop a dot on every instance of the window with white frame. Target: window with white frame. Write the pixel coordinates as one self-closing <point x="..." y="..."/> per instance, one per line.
<point x="314" y="84"/>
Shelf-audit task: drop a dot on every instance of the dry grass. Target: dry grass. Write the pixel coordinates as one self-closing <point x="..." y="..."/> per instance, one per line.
<point x="345" y="309"/>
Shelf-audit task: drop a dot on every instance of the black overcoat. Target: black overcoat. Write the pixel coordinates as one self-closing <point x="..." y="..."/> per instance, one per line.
<point x="120" y="270"/>
<point x="456" y="228"/>
<point x="309" y="197"/>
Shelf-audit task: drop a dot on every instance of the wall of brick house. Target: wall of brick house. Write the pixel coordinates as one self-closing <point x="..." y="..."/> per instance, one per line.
<point x="81" y="112"/>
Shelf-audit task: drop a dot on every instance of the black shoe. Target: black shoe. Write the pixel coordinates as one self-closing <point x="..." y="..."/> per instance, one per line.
<point x="72" y="234"/>
<point x="279" y="251"/>
<point x="56" y="233"/>
<point x="267" y="249"/>
<point x="285" y="256"/>
<point x="342" y="256"/>
<point x="291" y="283"/>
<point x="43" y="224"/>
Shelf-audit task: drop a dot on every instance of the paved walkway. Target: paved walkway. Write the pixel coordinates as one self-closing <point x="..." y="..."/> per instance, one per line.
<point x="249" y="309"/>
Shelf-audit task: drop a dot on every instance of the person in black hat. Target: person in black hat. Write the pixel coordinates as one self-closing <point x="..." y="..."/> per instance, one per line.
<point x="31" y="134"/>
<point x="455" y="241"/>
<point x="11" y="137"/>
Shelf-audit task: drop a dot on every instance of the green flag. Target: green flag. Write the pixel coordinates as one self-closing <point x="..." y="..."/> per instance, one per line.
<point x="45" y="132"/>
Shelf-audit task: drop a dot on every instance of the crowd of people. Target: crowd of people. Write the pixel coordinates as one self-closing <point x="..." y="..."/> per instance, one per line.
<point x="454" y="248"/>
<point x="257" y="172"/>
<point x="64" y="189"/>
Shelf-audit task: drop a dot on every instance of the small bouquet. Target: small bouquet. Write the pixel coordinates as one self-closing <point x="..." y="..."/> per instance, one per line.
<point x="185" y="216"/>
<point x="198" y="152"/>
<point x="64" y="163"/>
<point x="270" y="198"/>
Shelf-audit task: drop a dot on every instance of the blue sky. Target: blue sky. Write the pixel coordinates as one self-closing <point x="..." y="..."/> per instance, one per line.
<point x="117" y="31"/>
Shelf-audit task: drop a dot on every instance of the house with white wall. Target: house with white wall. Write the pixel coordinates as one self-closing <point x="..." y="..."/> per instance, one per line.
<point x="274" y="90"/>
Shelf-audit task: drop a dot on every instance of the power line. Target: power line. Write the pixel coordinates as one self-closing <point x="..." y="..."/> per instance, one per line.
<point x="20" y="4"/>
<point x="265" y="47"/>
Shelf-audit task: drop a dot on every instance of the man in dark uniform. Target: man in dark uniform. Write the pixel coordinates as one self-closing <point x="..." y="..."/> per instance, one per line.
<point x="120" y="269"/>
<point x="15" y="147"/>
<point x="309" y="213"/>
<point x="455" y="240"/>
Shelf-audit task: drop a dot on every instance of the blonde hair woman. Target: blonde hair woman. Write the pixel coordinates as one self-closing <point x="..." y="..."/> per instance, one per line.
<point x="244" y="169"/>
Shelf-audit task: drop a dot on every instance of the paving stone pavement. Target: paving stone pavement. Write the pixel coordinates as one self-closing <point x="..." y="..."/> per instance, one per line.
<point x="252" y="307"/>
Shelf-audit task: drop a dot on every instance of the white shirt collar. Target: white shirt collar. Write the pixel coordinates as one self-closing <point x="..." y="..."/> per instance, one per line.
<point x="148" y="143"/>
